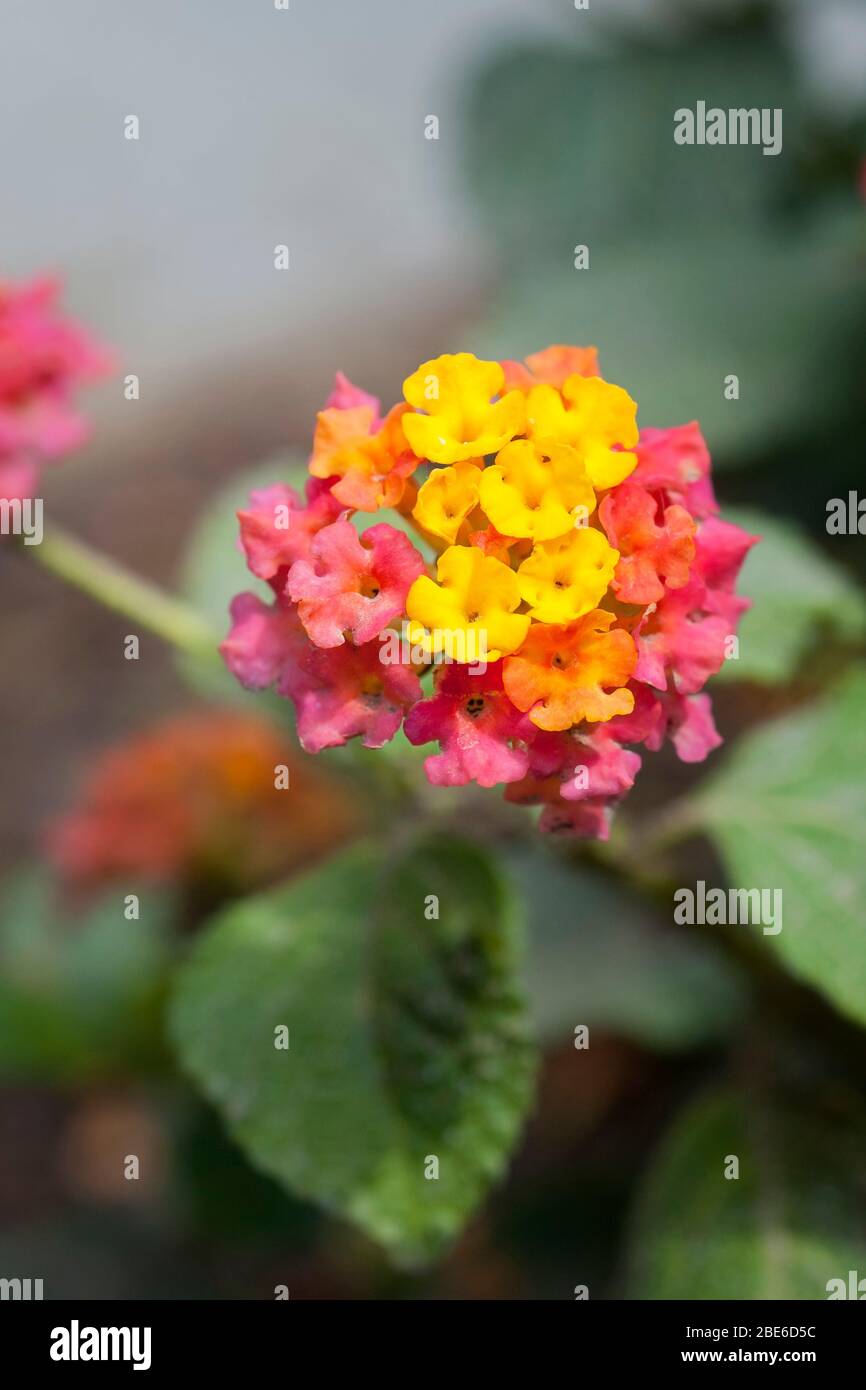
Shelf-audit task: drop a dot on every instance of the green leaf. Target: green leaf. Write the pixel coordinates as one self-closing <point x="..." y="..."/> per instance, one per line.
<point x="789" y="1223"/>
<point x="788" y="811"/>
<point x="598" y="956"/>
<point x="79" y="995"/>
<point x="798" y="596"/>
<point x="408" y="1037"/>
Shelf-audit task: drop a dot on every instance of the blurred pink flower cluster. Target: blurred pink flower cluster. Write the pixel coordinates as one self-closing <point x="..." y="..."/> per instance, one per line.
<point x="44" y="358"/>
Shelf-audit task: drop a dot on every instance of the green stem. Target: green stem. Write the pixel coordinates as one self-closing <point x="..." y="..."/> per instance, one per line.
<point x="112" y="585"/>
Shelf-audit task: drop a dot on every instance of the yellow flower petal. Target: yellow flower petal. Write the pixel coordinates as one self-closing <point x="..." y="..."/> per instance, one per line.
<point x="565" y="578"/>
<point x="534" y="493"/>
<point x="469" y="614"/>
<point x="460" y="420"/>
<point x="608" y="467"/>
<point x="601" y="410"/>
<point x="593" y="416"/>
<point x="446" y="499"/>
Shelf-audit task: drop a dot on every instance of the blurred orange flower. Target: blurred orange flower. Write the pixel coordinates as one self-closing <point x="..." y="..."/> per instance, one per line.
<point x="201" y="798"/>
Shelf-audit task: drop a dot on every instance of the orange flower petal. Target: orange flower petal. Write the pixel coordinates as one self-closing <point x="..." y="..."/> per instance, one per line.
<point x="562" y="674"/>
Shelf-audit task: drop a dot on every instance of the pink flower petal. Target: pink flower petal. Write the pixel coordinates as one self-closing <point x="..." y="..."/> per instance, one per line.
<point x="651" y="554"/>
<point x="721" y="549"/>
<point x="474" y="723"/>
<point x="353" y="584"/>
<point x="346" y="396"/>
<point x="694" y="731"/>
<point x="263" y="642"/>
<point x="349" y="691"/>
<point x="604" y="769"/>
<point x="276" y="530"/>
<point x="19" y="477"/>
<point x="44" y="359"/>
<point x="677" y="462"/>
<point x="585" y="820"/>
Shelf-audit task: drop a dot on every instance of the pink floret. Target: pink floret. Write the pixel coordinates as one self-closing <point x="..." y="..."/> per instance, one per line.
<point x="346" y="396"/>
<point x="474" y="722"/>
<point x="351" y="584"/>
<point x="348" y="691"/>
<point x="676" y="462"/>
<point x="276" y="530"/>
<point x="44" y="359"/>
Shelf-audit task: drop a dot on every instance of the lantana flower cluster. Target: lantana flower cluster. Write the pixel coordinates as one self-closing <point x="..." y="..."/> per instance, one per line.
<point x="44" y="358"/>
<point x="581" y="594"/>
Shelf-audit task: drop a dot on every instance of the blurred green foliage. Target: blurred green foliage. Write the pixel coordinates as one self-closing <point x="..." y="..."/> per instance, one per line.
<point x="704" y="261"/>
<point x="781" y="1225"/>
<point x="80" y="994"/>
<point x="600" y="954"/>
<point x="788" y="811"/>
<point x="800" y="600"/>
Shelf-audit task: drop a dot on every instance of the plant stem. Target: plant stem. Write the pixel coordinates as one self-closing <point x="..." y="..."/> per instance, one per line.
<point x="112" y="585"/>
